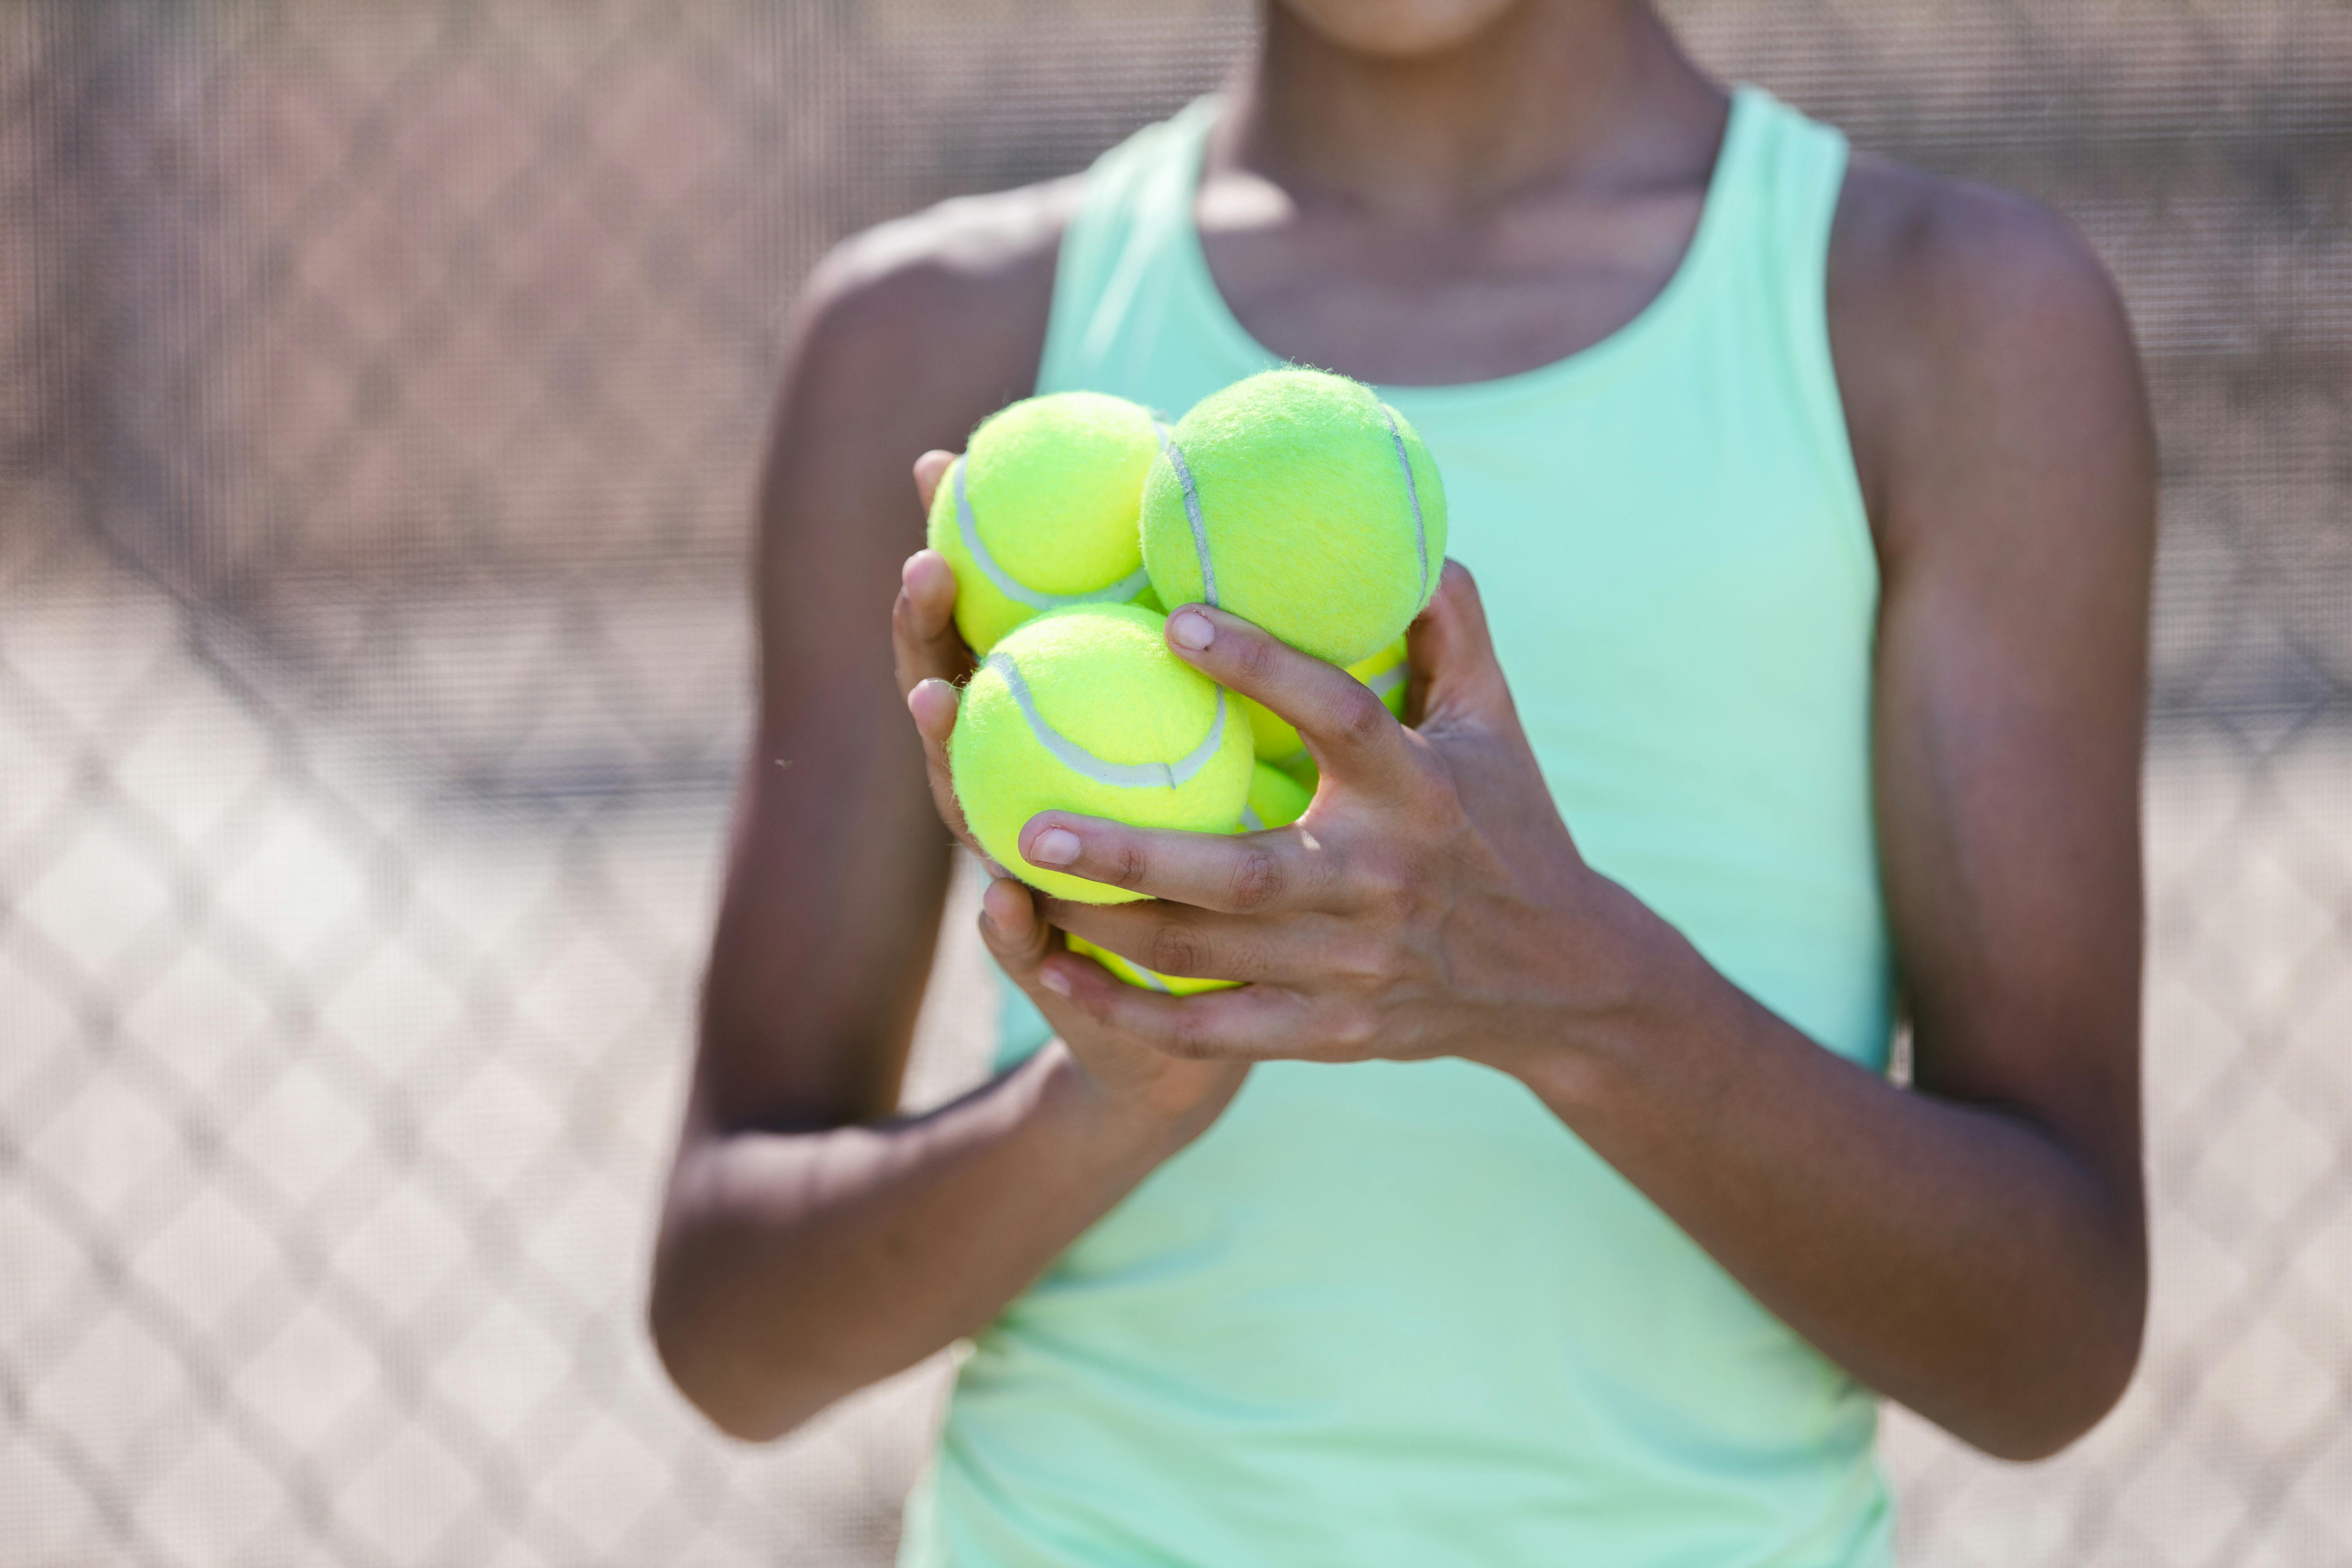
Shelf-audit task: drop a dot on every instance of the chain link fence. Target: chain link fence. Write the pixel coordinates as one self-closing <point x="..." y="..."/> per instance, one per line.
<point x="380" y="388"/>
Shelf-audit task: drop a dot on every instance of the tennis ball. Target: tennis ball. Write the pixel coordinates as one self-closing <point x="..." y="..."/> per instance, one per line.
<point x="1135" y="974"/>
<point x="1278" y="742"/>
<point x="1040" y="512"/>
<point x="1084" y="710"/>
<point x="1302" y="503"/>
<point x="1274" y="801"/>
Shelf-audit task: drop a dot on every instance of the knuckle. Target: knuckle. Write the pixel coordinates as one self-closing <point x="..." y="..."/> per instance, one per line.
<point x="1254" y="656"/>
<point x="1352" y="1030"/>
<point x="1255" y="881"/>
<point x="1128" y="866"/>
<point x="1176" y="950"/>
<point x="1359" y="717"/>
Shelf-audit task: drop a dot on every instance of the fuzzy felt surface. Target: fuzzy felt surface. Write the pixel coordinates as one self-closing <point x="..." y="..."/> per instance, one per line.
<point x="1308" y="513"/>
<point x="1055" y="485"/>
<point x="1135" y="974"/>
<point x="1275" y="799"/>
<point x="1102" y="677"/>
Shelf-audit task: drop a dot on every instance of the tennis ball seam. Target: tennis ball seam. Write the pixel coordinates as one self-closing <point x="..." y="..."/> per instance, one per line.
<point x="1412" y="494"/>
<point x="1183" y="472"/>
<point x="1152" y="980"/>
<point x="1012" y="587"/>
<point x="1101" y="770"/>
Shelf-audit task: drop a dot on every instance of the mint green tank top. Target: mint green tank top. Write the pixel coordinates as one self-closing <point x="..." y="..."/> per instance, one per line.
<point x="1398" y="1314"/>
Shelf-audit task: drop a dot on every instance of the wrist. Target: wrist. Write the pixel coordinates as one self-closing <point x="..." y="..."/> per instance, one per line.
<point x="1623" y="986"/>
<point x="1147" y="1121"/>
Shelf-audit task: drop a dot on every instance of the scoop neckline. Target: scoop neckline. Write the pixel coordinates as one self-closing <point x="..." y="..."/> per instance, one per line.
<point x="1672" y="301"/>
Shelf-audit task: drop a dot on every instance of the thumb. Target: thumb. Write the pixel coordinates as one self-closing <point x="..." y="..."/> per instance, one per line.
<point x="930" y="469"/>
<point x="1455" y="667"/>
<point x="1012" y="930"/>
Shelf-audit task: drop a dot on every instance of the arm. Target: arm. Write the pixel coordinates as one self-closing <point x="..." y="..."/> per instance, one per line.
<point x="1974" y="1250"/>
<point x="809" y="1245"/>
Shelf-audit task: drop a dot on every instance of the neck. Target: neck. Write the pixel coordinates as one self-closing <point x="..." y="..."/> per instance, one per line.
<point x="1550" y="91"/>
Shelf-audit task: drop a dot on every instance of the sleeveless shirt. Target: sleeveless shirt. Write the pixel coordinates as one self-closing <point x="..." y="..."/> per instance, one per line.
<point x="1397" y="1313"/>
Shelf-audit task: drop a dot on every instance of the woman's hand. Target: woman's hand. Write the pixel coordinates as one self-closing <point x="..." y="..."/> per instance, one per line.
<point x="1431" y="902"/>
<point x="1132" y="1078"/>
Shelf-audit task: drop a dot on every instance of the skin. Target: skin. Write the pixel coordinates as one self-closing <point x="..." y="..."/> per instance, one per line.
<point x="1524" y="176"/>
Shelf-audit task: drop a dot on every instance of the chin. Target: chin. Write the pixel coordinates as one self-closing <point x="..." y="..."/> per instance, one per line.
<point x="1397" y="30"/>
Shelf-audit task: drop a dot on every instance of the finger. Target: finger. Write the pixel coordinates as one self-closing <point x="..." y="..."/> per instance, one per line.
<point x="924" y="642"/>
<point x="1013" y="931"/>
<point x="1251" y="1023"/>
<point x="1194" y="944"/>
<point x="933" y="704"/>
<point x="1017" y="934"/>
<point x="1466" y="702"/>
<point x="1349" y="733"/>
<point x="1451" y="654"/>
<point x="930" y="468"/>
<point x="1248" y="873"/>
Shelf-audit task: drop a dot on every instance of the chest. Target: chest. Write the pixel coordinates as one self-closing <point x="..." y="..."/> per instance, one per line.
<point x="1437" y="303"/>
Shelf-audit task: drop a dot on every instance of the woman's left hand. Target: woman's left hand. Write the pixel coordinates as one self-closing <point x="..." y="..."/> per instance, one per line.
<point x="1431" y="902"/>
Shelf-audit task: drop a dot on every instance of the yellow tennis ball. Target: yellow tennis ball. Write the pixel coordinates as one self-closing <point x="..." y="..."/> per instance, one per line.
<point x="1274" y="801"/>
<point x="1135" y="974"/>
<point x="1084" y="710"/>
<point x="1302" y="503"/>
<point x="1041" y="511"/>
<point x="1276" y="743"/>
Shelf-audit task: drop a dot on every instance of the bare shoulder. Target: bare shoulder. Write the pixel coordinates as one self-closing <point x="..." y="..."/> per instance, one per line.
<point x="1972" y="327"/>
<point x="905" y="337"/>
<point x="937" y="309"/>
<point x="1900" y="227"/>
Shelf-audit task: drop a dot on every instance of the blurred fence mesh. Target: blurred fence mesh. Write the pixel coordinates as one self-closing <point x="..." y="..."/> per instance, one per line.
<point x="380" y="389"/>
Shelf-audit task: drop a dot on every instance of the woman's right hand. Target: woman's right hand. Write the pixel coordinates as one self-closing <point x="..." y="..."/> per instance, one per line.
<point x="1133" y="1079"/>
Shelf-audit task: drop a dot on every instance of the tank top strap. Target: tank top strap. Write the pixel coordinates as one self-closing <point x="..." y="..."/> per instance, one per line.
<point x="1134" y="215"/>
<point x="1791" y="188"/>
<point x="1796" y="169"/>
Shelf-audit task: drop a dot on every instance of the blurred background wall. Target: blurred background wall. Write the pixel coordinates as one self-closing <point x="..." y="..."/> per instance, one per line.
<point x="381" y="385"/>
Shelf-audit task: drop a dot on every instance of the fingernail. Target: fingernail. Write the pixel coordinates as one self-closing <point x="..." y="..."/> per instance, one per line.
<point x="1054" y="847"/>
<point x="1189" y="630"/>
<point x="1054" y="981"/>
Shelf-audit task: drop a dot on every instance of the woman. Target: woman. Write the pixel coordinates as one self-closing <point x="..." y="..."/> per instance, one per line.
<point x="1545" y="1199"/>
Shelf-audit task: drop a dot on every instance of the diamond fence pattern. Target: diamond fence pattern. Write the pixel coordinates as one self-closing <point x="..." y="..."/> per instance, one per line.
<point x="380" y="388"/>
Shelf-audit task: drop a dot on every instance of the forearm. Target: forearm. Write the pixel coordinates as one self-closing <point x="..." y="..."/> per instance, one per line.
<point x="796" y="1268"/>
<point x="1956" y="1258"/>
